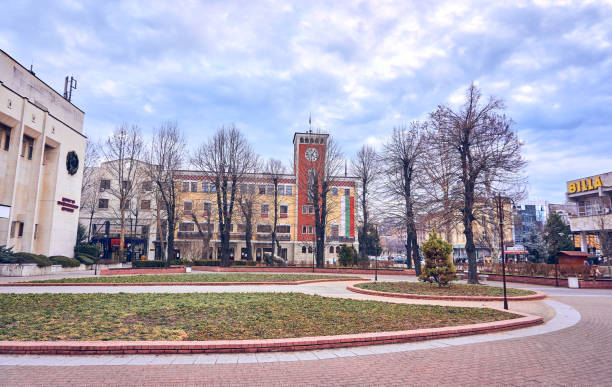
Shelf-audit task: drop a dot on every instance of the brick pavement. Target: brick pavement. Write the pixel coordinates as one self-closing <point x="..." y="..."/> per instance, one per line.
<point x="578" y="355"/>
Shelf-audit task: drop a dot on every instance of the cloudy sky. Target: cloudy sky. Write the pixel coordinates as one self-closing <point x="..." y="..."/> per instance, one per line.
<point x="360" y="67"/>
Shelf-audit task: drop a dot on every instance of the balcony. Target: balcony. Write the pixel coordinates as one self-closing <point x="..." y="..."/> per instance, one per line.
<point x="340" y="239"/>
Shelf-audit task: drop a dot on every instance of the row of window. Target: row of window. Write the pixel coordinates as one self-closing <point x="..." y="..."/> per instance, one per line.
<point x="207" y="209"/>
<point x="332" y="249"/>
<point x="347" y="192"/>
<point x="144" y="204"/>
<point x="27" y="147"/>
<point x="595" y="206"/>
<point x="335" y="229"/>
<point x="265" y="189"/>
<point x="240" y="227"/>
<point x="145" y="186"/>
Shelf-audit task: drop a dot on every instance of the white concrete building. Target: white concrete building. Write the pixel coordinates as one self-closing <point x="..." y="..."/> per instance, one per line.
<point x="592" y="196"/>
<point x="42" y="147"/>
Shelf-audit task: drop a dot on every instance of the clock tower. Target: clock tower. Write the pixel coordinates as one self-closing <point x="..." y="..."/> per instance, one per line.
<point x="309" y="158"/>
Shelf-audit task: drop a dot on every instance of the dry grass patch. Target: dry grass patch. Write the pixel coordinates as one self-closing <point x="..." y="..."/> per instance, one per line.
<point x="434" y="290"/>
<point x="215" y="316"/>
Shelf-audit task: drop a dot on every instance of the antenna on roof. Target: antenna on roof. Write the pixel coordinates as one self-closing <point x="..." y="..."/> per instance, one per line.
<point x="345" y="169"/>
<point x="32" y="69"/>
<point x="310" y="122"/>
<point x="69" y="85"/>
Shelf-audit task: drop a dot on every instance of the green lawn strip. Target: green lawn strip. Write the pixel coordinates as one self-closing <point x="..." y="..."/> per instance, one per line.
<point x="213" y="277"/>
<point x="215" y="316"/>
<point x="434" y="290"/>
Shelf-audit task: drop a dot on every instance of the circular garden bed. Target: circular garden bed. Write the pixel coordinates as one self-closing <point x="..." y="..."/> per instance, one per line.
<point x="459" y="292"/>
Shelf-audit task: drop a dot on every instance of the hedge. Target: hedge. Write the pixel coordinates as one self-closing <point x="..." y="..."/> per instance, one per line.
<point x="141" y="264"/>
<point x="91" y="250"/>
<point x="206" y="263"/>
<point x="85" y="259"/>
<point x="243" y="263"/>
<point x="64" y="261"/>
<point x="40" y="260"/>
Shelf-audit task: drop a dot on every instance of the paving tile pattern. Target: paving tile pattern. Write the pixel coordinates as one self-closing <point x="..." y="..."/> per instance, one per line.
<point x="579" y="355"/>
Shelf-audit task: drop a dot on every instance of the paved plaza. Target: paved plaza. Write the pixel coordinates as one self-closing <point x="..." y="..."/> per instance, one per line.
<point x="571" y="348"/>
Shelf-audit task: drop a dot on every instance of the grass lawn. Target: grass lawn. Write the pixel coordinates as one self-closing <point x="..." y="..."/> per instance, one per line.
<point x="212" y="277"/>
<point x="434" y="290"/>
<point x="214" y="316"/>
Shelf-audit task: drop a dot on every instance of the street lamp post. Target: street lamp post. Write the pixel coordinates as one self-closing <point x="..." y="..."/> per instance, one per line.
<point x="500" y="211"/>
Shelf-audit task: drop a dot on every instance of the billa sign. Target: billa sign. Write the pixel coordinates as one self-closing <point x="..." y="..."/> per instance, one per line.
<point x="589" y="184"/>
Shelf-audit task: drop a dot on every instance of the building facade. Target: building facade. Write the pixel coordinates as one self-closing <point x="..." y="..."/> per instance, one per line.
<point x="42" y="147"/>
<point x="101" y="216"/>
<point x="591" y="196"/>
<point x="295" y="228"/>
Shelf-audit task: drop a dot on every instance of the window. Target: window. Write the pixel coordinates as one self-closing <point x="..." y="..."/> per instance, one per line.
<point x="265" y="210"/>
<point x="241" y="227"/>
<point x="347" y="192"/>
<point x="310" y="249"/>
<point x="104" y="184"/>
<point x="207" y="209"/>
<point x="264" y="228"/>
<point x="281" y="189"/>
<point x="186" y="227"/>
<point x="283" y="229"/>
<point x="303" y="249"/>
<point x="145" y="205"/>
<point x="310" y="230"/>
<point x="194" y="186"/>
<point x="204" y="186"/>
<point x="311" y="209"/>
<point x="334" y="191"/>
<point x="304" y="209"/>
<point x="331" y="249"/>
<point x="103" y="203"/>
<point x="185" y="186"/>
<point x="126" y="185"/>
<point x="262" y="190"/>
<point x="335" y="230"/>
<point x="337" y="249"/>
<point x="270" y="189"/>
<point x="251" y="188"/>
<point x="147" y="186"/>
<point x="284" y="210"/>
<point x="127" y="204"/>
<point x="213" y="188"/>
<point x="303" y="229"/>
<point x="301" y="142"/>
<point x="35" y="230"/>
<point x="288" y="190"/>
<point x="20" y="232"/>
<point x="27" y="149"/>
<point x="187" y="207"/>
<point x="209" y="227"/>
<point x="5" y="134"/>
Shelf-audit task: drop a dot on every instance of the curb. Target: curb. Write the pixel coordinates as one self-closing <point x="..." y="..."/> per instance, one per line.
<point x="533" y="297"/>
<point x="181" y="283"/>
<point x="252" y="346"/>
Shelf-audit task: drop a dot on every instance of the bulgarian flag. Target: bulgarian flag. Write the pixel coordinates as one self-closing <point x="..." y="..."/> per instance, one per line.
<point x="347" y="216"/>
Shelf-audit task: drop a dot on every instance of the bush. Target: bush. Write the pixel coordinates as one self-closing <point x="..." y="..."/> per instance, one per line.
<point x="243" y="263"/>
<point x="178" y="262"/>
<point x="91" y="250"/>
<point x="206" y="263"/>
<point x="347" y="256"/>
<point x="144" y="264"/>
<point x="439" y="267"/>
<point x="85" y="259"/>
<point x="64" y="261"/>
<point x="40" y="260"/>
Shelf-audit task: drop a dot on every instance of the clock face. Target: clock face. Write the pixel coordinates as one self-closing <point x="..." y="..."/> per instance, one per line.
<point x="312" y="154"/>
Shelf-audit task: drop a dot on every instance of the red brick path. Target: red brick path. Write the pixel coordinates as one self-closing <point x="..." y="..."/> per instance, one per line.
<point x="579" y="355"/>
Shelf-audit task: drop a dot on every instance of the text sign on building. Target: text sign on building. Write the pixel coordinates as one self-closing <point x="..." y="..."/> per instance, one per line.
<point x="67" y="205"/>
<point x="582" y="185"/>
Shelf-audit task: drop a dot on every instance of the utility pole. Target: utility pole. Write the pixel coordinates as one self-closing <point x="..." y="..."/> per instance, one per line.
<point x="500" y="211"/>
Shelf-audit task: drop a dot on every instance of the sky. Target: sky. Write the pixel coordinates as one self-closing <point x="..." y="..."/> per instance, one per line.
<point x="359" y="68"/>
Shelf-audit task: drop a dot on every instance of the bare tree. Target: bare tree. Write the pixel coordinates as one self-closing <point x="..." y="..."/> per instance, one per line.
<point x="439" y="184"/>
<point x="366" y="167"/>
<point x="205" y="230"/>
<point x="226" y="158"/>
<point x="316" y="176"/>
<point x="90" y="185"/>
<point x="275" y="169"/>
<point x="166" y="155"/>
<point x="400" y="160"/>
<point x="248" y="203"/>
<point x="486" y="152"/>
<point x="123" y="151"/>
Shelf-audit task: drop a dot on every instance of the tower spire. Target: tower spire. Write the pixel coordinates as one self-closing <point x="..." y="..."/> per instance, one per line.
<point x="310" y="122"/>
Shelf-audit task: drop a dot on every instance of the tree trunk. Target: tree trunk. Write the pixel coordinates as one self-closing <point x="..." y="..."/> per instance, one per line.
<point x="90" y="222"/>
<point x="470" y="247"/>
<point x="122" y="236"/>
<point x="275" y="220"/>
<point x="171" y="226"/>
<point x="408" y="247"/>
<point x="416" y="256"/>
